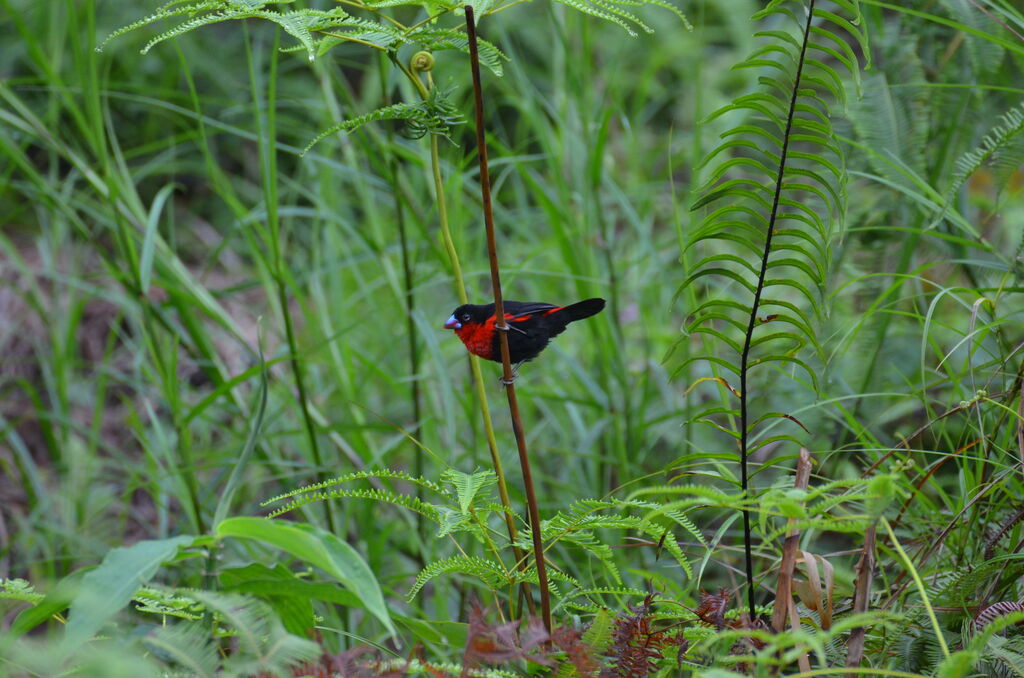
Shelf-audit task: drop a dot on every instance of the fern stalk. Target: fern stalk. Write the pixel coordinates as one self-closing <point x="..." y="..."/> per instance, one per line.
<point x="499" y="316"/>
<point x="752" y="322"/>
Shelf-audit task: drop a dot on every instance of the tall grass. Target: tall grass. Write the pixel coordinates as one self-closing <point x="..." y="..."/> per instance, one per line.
<point x="161" y="231"/>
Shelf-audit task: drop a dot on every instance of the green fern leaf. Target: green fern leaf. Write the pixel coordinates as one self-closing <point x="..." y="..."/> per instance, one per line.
<point x="492" y="574"/>
<point x="469" y="485"/>
<point x="384" y="474"/>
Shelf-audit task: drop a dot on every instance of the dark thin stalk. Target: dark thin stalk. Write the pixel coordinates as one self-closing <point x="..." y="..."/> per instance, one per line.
<point x="502" y="327"/>
<point x="752" y="323"/>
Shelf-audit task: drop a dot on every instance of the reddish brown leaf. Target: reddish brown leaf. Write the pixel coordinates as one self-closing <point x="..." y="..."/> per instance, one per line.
<point x="579" y="653"/>
<point x="712" y="608"/>
<point x="502" y="643"/>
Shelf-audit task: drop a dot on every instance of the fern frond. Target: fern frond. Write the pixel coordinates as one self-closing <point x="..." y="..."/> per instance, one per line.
<point x="577" y="527"/>
<point x="435" y="115"/>
<point x="963" y="588"/>
<point x="614" y="11"/>
<point x="468" y="485"/>
<point x="998" y="142"/>
<point x="263" y="643"/>
<point x="301" y="24"/>
<point x="188" y="645"/>
<point x="170" y="10"/>
<point x="383" y="473"/>
<point x="19" y="589"/>
<point x="166" y="603"/>
<point x="776" y="182"/>
<point x="707" y="496"/>
<point x="408" y="501"/>
<point x="492" y="574"/>
<point x="434" y="40"/>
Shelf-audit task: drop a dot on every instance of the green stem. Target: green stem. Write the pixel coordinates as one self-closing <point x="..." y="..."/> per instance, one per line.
<point x="920" y="588"/>
<point x="474" y="363"/>
<point x="408" y="281"/>
<point x="268" y="148"/>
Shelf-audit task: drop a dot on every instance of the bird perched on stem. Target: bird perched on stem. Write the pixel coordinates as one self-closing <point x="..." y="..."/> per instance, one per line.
<point x="531" y="325"/>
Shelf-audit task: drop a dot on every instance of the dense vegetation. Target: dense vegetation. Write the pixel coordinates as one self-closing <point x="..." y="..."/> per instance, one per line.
<point x="792" y="444"/>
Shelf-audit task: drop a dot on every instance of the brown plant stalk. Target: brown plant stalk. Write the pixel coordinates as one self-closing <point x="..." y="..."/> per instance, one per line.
<point x="502" y="327"/>
<point x="785" y="607"/>
<point x="422" y="62"/>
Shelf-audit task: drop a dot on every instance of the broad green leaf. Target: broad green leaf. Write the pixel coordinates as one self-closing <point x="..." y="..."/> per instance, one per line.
<point x="318" y="548"/>
<point x="111" y="585"/>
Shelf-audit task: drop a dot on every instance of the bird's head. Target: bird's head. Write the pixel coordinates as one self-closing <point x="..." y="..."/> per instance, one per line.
<point x="467" y="314"/>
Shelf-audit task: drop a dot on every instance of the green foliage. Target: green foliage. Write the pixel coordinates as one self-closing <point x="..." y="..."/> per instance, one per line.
<point x="1002" y="148"/>
<point x="317" y="547"/>
<point x="489" y="572"/>
<point x="469" y="485"/>
<point x="108" y="588"/>
<point x="19" y="589"/>
<point x="776" y="189"/>
<point x="615" y="12"/>
<point x="435" y="115"/>
<point x="157" y="230"/>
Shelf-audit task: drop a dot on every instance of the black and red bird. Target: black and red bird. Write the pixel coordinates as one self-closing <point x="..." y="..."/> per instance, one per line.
<point x="531" y="326"/>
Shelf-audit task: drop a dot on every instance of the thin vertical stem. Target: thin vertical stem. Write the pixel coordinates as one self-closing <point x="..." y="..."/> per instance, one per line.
<point x="502" y="326"/>
<point x="268" y="146"/>
<point x="752" y="322"/>
<point x="410" y="303"/>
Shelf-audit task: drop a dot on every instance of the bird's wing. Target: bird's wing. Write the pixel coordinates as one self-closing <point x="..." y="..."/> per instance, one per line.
<point x="518" y="309"/>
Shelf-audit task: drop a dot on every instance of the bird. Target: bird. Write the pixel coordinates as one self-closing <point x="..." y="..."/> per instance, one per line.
<point x="531" y="326"/>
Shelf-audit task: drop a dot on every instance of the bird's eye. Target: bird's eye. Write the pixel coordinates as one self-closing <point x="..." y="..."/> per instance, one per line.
<point x="465" y="317"/>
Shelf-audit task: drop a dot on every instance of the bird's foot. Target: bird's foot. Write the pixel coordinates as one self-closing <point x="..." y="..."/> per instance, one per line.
<point x="515" y="375"/>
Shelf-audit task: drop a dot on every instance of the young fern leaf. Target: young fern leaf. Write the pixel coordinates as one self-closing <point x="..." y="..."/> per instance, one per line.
<point x="435" y="40"/>
<point x="435" y="115"/>
<point x="468" y="485"/>
<point x="186" y="644"/>
<point x="408" y="501"/>
<point x="263" y="643"/>
<point x="300" y="24"/>
<point x="577" y="527"/>
<point x="776" y="184"/>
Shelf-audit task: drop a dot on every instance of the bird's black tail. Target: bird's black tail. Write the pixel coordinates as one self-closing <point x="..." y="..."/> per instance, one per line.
<point x="582" y="309"/>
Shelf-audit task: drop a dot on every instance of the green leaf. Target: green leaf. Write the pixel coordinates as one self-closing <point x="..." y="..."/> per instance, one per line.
<point x="468" y="485"/>
<point x="224" y="503"/>
<point x="959" y="664"/>
<point x="318" y="548"/>
<point x="881" y="493"/>
<point x="188" y="645"/>
<point x="149" y="241"/>
<point x="111" y="585"/>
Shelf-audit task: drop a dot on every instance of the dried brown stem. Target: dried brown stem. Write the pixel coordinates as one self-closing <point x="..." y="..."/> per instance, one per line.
<point x="785" y="609"/>
<point x="784" y="591"/>
<point x="502" y="326"/>
<point x="865" y="567"/>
